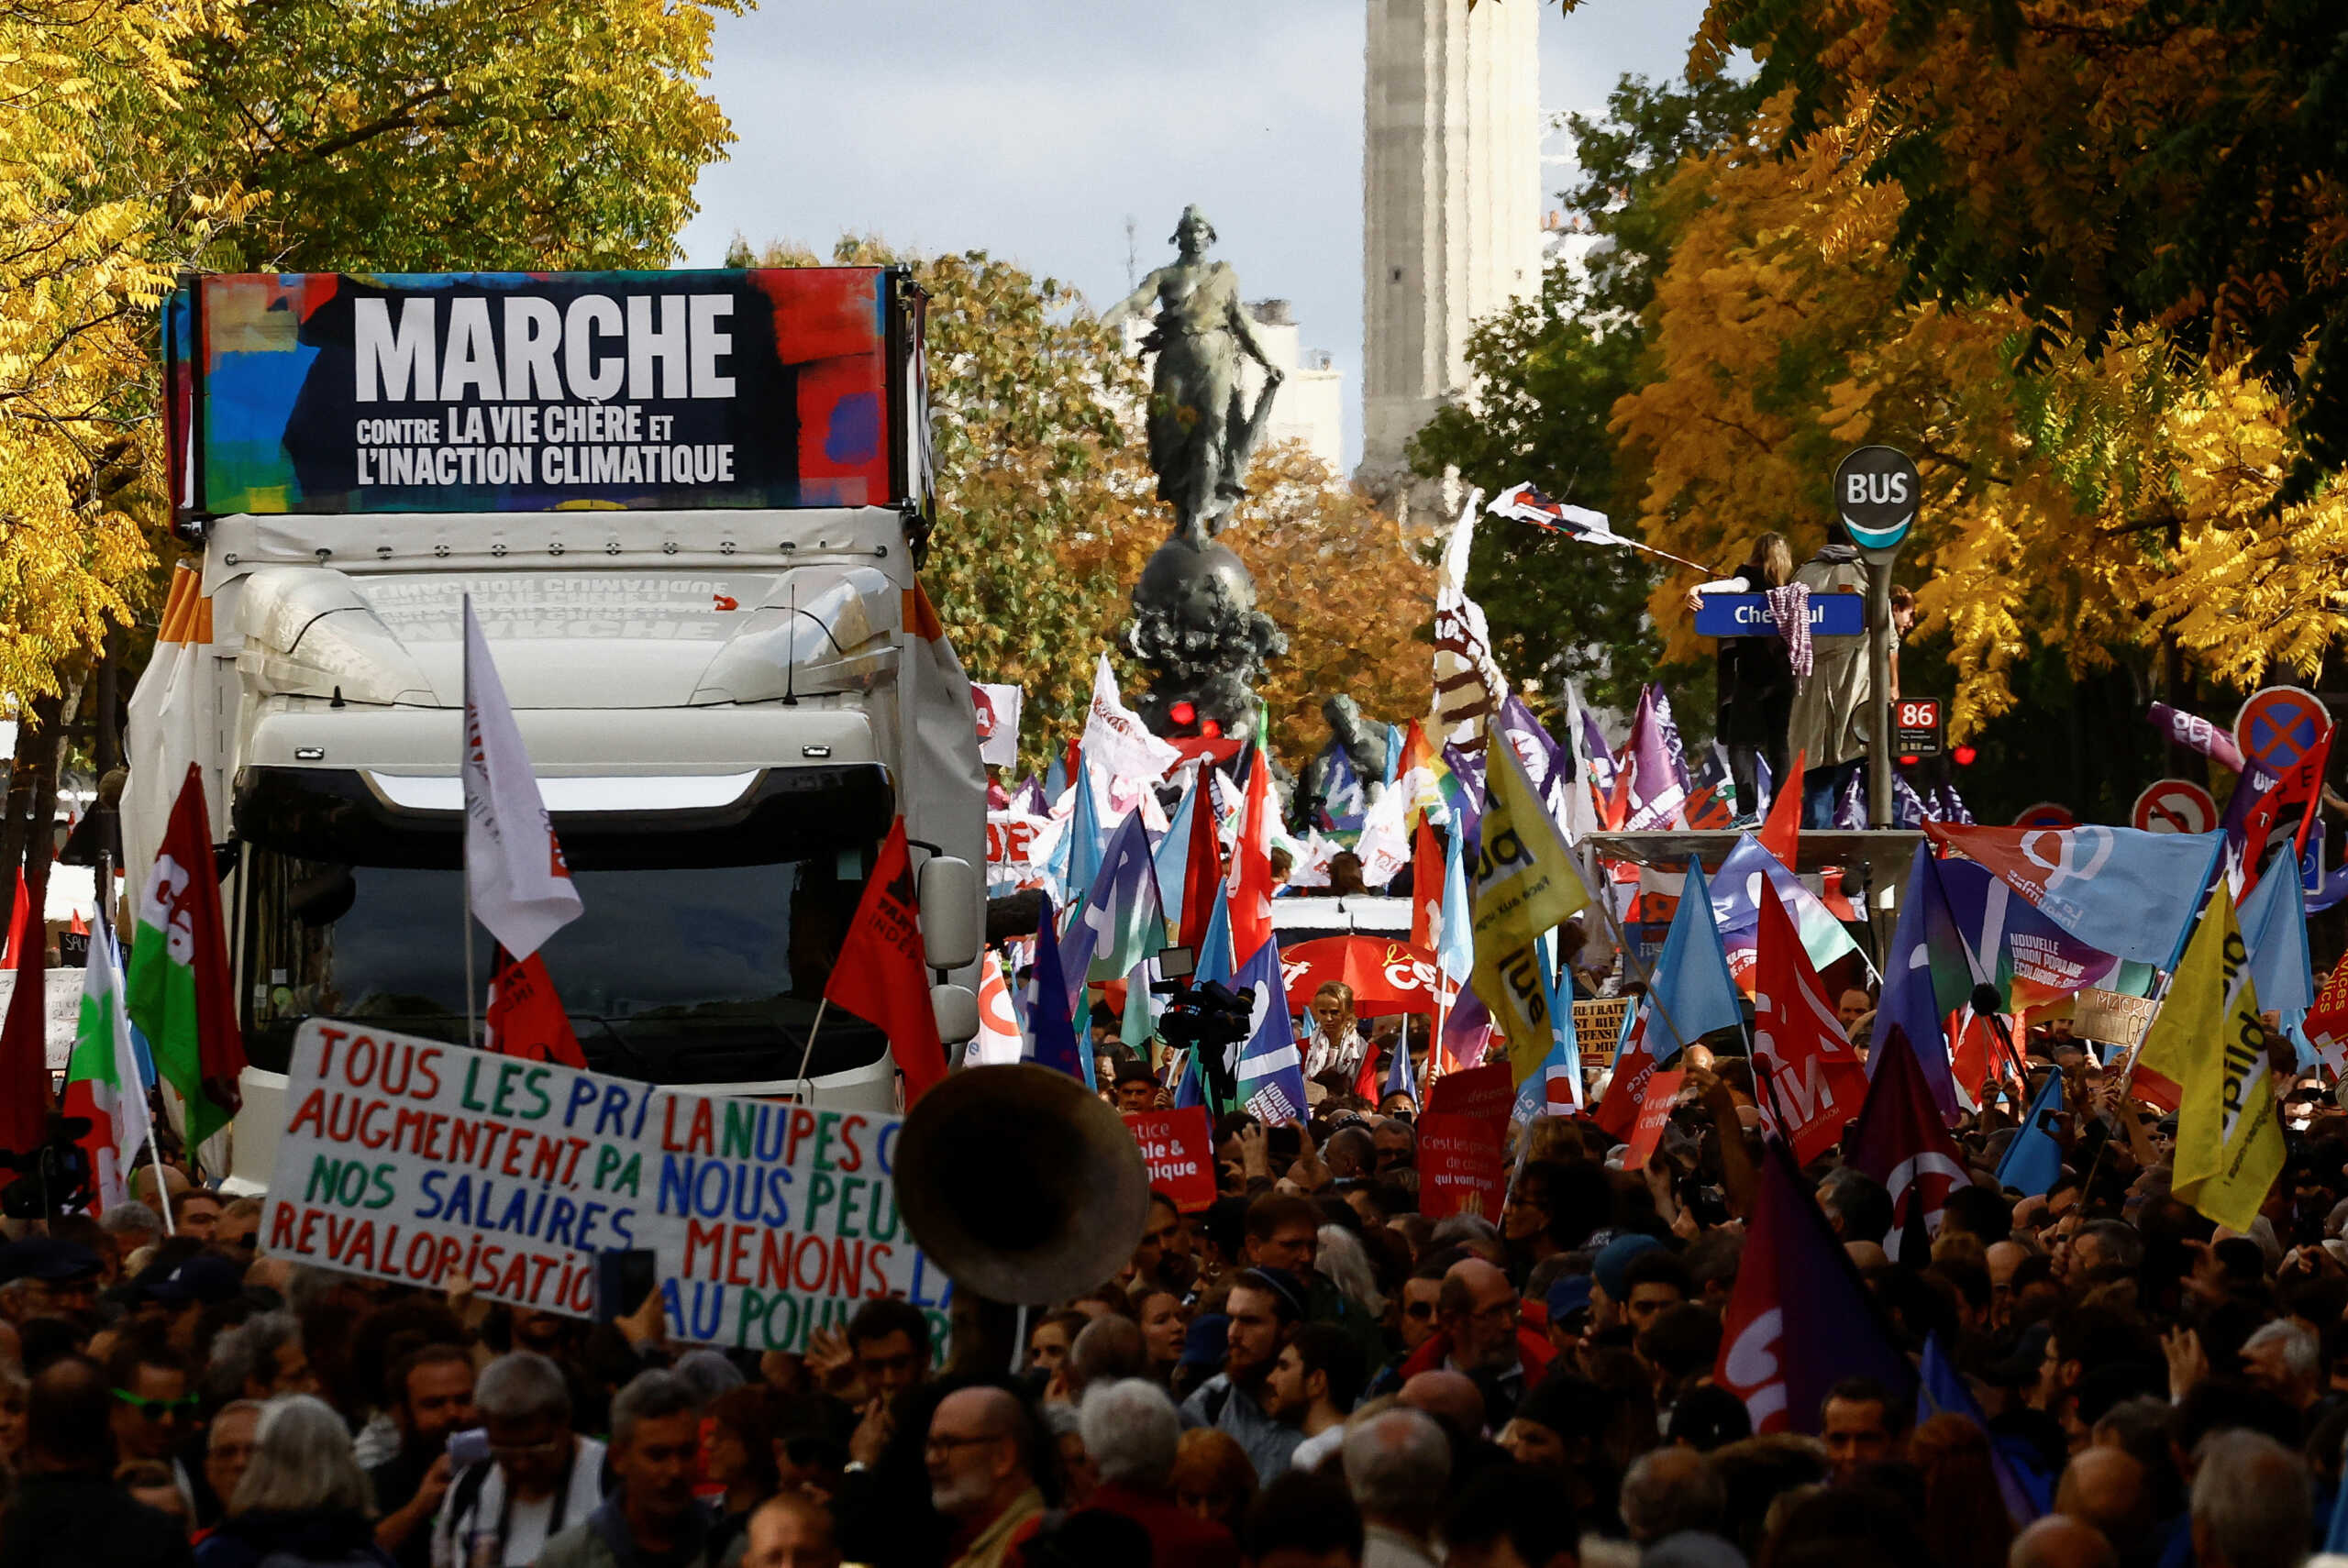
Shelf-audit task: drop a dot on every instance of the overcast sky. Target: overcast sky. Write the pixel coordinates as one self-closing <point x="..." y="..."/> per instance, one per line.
<point x="1032" y="129"/>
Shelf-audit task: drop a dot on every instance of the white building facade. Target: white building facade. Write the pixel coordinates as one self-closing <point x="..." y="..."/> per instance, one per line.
<point x="1452" y="214"/>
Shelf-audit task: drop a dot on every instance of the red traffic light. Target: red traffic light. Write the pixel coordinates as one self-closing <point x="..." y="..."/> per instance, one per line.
<point x="1907" y="762"/>
<point x="1211" y="729"/>
<point x="1963" y="756"/>
<point x="1182" y="713"/>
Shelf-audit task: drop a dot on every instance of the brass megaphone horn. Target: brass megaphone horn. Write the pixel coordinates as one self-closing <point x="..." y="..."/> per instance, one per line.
<point x="1023" y="1184"/>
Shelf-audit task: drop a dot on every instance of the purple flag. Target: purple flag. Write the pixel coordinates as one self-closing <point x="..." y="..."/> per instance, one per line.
<point x="1659" y="791"/>
<point x="1547" y="763"/>
<point x="2195" y="734"/>
<point x="1470" y="771"/>
<point x="1051" y="1038"/>
<point x="1799" y="1319"/>
<point x="1926" y="977"/>
<point x="1668" y="728"/>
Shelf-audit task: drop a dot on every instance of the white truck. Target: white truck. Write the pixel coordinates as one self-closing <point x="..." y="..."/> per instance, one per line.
<point x="688" y="508"/>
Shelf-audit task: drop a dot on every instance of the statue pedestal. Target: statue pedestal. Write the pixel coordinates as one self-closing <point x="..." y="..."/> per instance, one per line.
<point x="1198" y="631"/>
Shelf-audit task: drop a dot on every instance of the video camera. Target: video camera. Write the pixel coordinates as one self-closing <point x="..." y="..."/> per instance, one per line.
<point x="54" y="1176"/>
<point x="1209" y="1017"/>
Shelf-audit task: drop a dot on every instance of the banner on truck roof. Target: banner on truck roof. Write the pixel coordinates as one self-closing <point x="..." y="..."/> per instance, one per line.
<point x="417" y="1160"/>
<point x="517" y="392"/>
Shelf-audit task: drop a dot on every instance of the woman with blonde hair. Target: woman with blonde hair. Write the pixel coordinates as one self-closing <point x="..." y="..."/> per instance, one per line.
<point x="303" y="1499"/>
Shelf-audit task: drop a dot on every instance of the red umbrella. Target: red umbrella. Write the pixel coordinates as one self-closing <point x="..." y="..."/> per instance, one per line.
<point x="1387" y="976"/>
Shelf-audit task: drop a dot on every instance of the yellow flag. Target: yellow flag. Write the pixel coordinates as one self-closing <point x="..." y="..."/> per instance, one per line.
<point x="2211" y="1041"/>
<point x="1525" y="883"/>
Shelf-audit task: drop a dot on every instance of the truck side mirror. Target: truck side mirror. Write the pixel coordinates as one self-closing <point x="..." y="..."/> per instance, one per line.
<point x="957" y="1013"/>
<point x="950" y="909"/>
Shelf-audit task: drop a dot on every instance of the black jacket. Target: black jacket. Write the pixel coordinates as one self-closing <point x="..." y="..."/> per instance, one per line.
<point x="78" y="1520"/>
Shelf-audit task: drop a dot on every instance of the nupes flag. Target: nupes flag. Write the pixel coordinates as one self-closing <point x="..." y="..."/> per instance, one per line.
<point x="526" y="1017"/>
<point x="521" y="890"/>
<point x="1816" y="1081"/>
<point x="882" y="976"/>
<point x="180" y="993"/>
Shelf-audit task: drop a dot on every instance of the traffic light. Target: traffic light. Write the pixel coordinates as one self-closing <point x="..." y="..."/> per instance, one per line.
<point x="1963" y="756"/>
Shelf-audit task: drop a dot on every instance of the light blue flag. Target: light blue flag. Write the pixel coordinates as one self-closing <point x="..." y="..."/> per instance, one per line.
<point x="2034" y="1159"/>
<point x="1623" y="1033"/>
<point x="1213" y="960"/>
<point x="1193" y="1089"/>
<point x="1454" y="946"/>
<point x="1270" y="1071"/>
<point x="1119" y="923"/>
<point x="2128" y="893"/>
<point x="1056" y="775"/>
<point x="1085" y="838"/>
<point x="1693" y="992"/>
<point x="2274" y="929"/>
<point x="1174" y="854"/>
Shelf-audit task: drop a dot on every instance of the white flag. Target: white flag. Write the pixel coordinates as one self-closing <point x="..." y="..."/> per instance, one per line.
<point x="521" y="890"/>
<point x="1116" y="742"/>
<point x="997" y="709"/>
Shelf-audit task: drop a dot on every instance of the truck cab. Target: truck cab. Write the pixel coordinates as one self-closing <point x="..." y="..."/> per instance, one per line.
<point x="726" y="705"/>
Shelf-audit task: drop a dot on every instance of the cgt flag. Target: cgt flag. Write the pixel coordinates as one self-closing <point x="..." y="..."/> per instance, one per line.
<point x="1525" y="884"/>
<point x="1816" y="1082"/>
<point x="881" y="976"/>
<point x="1901" y="1142"/>
<point x="2209" y="1040"/>
<point x="526" y="1016"/>
<point x="521" y="888"/>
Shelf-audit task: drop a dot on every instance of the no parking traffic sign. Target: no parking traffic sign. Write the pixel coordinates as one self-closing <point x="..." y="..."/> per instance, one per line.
<point x="2175" y="805"/>
<point x="2279" y="726"/>
<point x="2046" y="814"/>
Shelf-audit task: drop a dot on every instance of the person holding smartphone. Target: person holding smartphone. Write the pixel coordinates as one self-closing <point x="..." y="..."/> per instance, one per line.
<point x="538" y="1477"/>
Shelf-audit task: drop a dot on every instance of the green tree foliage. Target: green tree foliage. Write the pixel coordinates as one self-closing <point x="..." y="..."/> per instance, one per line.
<point x="1035" y="477"/>
<point x="420" y="134"/>
<point x="1549" y="371"/>
<point x="2106" y="164"/>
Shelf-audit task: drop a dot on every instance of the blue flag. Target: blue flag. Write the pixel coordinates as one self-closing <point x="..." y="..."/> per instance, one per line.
<point x="1084" y="840"/>
<point x="1051" y="1037"/>
<point x="1455" y="944"/>
<point x="1173" y="856"/>
<point x="2034" y="1159"/>
<point x="2128" y="893"/>
<point x="1401" y="1078"/>
<point x="2027" y="1488"/>
<point x="1693" y="994"/>
<point x="1192" y="1088"/>
<point x="2274" y="929"/>
<point x="1270" y="1070"/>
<point x="1926" y="977"/>
<point x="1343" y="797"/>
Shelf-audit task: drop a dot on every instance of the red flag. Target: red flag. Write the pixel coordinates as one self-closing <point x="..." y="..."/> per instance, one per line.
<point x="20" y="921"/>
<point x="1655" y="1102"/>
<point x="526" y="1017"/>
<point x="2303" y="787"/>
<point x="1618" y="1110"/>
<point x="78" y="926"/>
<point x="1816" y="1079"/>
<point x="1902" y="1140"/>
<point x="1781" y="835"/>
<point x="2327" y="1022"/>
<point x="1203" y="868"/>
<point x="24" y="1043"/>
<point x="881" y="976"/>
<point x="1251" y="865"/>
<point x="1426" y="888"/>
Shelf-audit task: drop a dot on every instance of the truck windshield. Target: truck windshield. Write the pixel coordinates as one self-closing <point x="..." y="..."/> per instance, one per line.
<point x="699" y="974"/>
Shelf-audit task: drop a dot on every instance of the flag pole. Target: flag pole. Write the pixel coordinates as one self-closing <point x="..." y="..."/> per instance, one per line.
<point x="471" y="1043"/>
<point x="1646" y="976"/>
<point x="118" y="984"/>
<point x="808" y="1053"/>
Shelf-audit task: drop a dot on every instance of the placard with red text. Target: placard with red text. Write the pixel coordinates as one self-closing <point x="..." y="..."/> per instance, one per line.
<point x="1178" y="1148"/>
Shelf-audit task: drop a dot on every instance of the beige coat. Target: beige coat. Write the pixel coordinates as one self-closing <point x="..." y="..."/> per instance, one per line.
<point x="1829" y="720"/>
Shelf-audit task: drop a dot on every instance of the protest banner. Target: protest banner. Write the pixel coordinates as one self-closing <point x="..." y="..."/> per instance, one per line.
<point x="1462" y="1169"/>
<point x="1655" y="1111"/>
<point x="1485" y="1093"/>
<point x="1601" y="1020"/>
<point x="2110" y="1016"/>
<point x="1177" y="1147"/>
<point x="417" y="1161"/>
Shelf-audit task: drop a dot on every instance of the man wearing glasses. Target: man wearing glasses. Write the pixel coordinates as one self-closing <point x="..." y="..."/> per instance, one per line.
<point x="154" y="1410"/>
<point x="539" y="1480"/>
<point x="982" y="1473"/>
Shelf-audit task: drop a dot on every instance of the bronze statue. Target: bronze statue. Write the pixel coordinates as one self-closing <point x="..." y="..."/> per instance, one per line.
<point x="1202" y="434"/>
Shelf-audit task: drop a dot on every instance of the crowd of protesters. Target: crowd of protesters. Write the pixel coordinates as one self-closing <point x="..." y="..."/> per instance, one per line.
<point x="1307" y="1373"/>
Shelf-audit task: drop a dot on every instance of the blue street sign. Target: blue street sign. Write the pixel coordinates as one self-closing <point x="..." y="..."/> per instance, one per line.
<point x="1748" y="615"/>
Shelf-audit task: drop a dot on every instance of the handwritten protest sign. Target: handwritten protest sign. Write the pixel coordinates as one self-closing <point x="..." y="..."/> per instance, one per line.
<point x="415" y="1160"/>
<point x="1655" y="1111"/>
<point x="1597" y="1024"/>
<point x="1178" y="1148"/>
<point x="1461" y="1166"/>
<point x="2111" y="1016"/>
